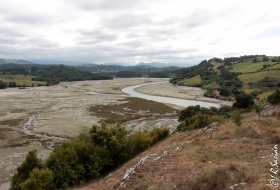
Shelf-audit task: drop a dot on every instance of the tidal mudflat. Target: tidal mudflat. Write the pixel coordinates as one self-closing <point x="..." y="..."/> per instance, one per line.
<point x="42" y="117"/>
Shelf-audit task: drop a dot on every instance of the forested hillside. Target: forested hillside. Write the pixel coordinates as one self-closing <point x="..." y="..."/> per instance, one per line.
<point x="257" y="75"/>
<point x="48" y="74"/>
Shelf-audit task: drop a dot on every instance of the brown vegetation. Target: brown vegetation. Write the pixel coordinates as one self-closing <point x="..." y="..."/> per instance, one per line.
<point x="190" y="160"/>
<point x="131" y="108"/>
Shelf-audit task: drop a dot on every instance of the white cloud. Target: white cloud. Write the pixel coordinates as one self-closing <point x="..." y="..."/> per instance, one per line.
<point x="134" y="31"/>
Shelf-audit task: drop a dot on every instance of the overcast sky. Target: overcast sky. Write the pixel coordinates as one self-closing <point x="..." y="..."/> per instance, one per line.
<point x="128" y="31"/>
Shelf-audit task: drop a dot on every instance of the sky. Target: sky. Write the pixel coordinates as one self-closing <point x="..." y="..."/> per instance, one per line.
<point x="129" y="32"/>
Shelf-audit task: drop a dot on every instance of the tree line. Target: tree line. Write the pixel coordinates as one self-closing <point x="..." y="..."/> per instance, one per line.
<point x="52" y="74"/>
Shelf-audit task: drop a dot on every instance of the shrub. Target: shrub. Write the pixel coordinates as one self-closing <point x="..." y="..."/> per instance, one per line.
<point x="236" y="117"/>
<point x="193" y="110"/>
<point x="143" y="140"/>
<point x="243" y="101"/>
<point x="224" y="92"/>
<point x="198" y="121"/>
<point x="38" y="180"/>
<point x="75" y="161"/>
<point x="274" y="98"/>
<point x="113" y="139"/>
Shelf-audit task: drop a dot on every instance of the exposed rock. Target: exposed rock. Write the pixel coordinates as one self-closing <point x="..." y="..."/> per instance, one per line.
<point x="132" y="170"/>
<point x="236" y="186"/>
<point x="210" y="128"/>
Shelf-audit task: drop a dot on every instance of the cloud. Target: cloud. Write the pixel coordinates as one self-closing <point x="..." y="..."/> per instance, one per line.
<point x="5" y="40"/>
<point x="105" y="5"/>
<point x="133" y="31"/>
<point x="268" y="33"/>
<point x="124" y="21"/>
<point x="26" y="18"/>
<point x="95" y="36"/>
<point x="133" y="43"/>
<point x="196" y="19"/>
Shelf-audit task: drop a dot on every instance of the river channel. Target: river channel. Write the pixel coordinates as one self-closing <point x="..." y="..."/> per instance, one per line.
<point x="176" y="101"/>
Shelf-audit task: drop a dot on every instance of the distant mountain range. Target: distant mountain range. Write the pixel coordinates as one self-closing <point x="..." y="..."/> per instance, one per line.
<point x="88" y="66"/>
<point x="162" y="65"/>
<point x="6" y="61"/>
<point x="56" y="62"/>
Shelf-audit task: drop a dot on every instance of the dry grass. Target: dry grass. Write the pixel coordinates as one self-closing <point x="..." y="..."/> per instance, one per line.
<point x="194" y="81"/>
<point x="233" y="155"/>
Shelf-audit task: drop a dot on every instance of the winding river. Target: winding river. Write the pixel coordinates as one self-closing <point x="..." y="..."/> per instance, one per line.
<point x="176" y="101"/>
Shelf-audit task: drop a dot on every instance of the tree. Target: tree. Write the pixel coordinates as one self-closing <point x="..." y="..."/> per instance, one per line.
<point x="189" y="112"/>
<point x="38" y="180"/>
<point x="265" y="58"/>
<point x="34" y="69"/>
<point x="255" y="60"/>
<point x="12" y="84"/>
<point x="243" y="101"/>
<point x="274" y="98"/>
<point x="2" y="85"/>
<point x="73" y="162"/>
<point x="114" y="139"/>
<point x="259" y="106"/>
<point x="224" y="92"/>
<point x="23" y="171"/>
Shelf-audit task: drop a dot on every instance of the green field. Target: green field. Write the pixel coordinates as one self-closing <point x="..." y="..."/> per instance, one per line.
<point x="277" y="66"/>
<point x="194" y="81"/>
<point x="254" y="77"/>
<point x="249" y="66"/>
<point x="20" y="80"/>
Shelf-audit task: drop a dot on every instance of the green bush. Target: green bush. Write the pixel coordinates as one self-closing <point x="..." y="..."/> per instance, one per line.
<point x="224" y="92"/>
<point x="243" y="101"/>
<point x="274" y="98"/>
<point x="75" y="161"/>
<point x="38" y="180"/>
<point x="94" y="152"/>
<point x="198" y="121"/>
<point x="113" y="139"/>
<point x="193" y="110"/>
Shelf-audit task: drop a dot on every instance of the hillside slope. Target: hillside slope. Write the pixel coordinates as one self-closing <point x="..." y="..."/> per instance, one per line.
<point x="191" y="160"/>
<point x="254" y="74"/>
